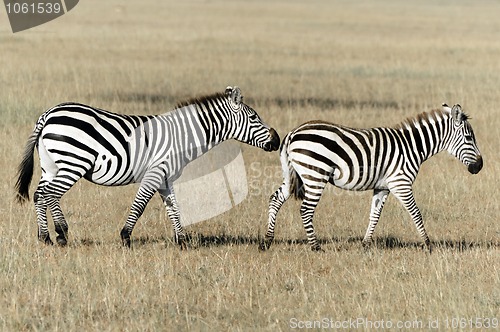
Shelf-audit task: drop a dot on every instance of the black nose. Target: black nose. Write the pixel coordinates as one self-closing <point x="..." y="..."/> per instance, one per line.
<point x="274" y="141"/>
<point x="477" y="166"/>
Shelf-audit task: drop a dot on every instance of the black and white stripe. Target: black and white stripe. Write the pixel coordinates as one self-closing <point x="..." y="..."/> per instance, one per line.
<point x="385" y="160"/>
<point x="76" y="141"/>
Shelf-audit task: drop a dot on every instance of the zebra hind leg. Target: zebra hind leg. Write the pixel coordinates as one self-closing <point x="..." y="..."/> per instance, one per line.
<point x="307" y="212"/>
<point x="50" y="197"/>
<point x="41" y="214"/>
<point x="307" y="208"/>
<point x="61" y="226"/>
<point x="168" y="197"/>
<point x="275" y="202"/>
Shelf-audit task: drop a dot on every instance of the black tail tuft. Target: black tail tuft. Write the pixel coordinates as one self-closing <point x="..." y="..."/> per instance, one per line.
<point x="25" y="170"/>
<point x="296" y="185"/>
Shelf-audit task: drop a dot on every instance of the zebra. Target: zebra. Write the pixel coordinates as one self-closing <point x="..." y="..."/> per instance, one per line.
<point x="385" y="160"/>
<point x="76" y="140"/>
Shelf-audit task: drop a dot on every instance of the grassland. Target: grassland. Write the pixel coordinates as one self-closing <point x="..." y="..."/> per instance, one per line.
<point x="359" y="63"/>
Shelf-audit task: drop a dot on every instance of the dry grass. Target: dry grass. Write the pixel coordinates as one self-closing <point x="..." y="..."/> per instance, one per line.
<point x="356" y="63"/>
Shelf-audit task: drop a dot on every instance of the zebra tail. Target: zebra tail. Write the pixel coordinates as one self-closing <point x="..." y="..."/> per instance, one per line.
<point x="296" y="185"/>
<point x="25" y="169"/>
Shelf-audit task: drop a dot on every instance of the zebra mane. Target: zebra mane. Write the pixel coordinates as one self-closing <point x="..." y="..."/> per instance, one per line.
<point x="435" y="115"/>
<point x="201" y="100"/>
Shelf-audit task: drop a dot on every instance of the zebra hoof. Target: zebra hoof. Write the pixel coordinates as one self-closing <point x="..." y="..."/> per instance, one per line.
<point x="265" y="245"/>
<point x="62" y="231"/>
<point x="367" y="245"/>
<point x="426" y="246"/>
<point x="126" y="242"/>
<point x="46" y="240"/>
<point x="317" y="249"/>
<point x="183" y="245"/>
<point x="181" y="241"/>
<point x="62" y="241"/>
<point x="125" y="235"/>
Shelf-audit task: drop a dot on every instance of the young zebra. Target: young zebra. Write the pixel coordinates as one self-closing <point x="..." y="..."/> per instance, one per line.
<point x="383" y="159"/>
<point x="76" y="141"/>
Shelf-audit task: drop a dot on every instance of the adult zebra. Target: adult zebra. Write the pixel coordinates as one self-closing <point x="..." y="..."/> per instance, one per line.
<point x="383" y="159"/>
<point x="76" y="141"/>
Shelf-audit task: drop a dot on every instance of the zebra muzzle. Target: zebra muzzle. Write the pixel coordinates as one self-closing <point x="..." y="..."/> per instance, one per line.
<point x="477" y="166"/>
<point x="274" y="141"/>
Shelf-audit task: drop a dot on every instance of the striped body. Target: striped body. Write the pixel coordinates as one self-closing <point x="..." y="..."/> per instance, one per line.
<point x="120" y="149"/>
<point x="347" y="157"/>
<point x="76" y="141"/>
<point x="380" y="159"/>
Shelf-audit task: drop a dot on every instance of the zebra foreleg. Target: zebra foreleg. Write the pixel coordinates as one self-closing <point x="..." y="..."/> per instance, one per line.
<point x="147" y="189"/>
<point x="405" y="195"/>
<point x="275" y="203"/>
<point x="168" y="197"/>
<point x="378" y="200"/>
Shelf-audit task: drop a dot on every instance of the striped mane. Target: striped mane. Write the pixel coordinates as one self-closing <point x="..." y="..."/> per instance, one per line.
<point x="201" y="100"/>
<point x="425" y="117"/>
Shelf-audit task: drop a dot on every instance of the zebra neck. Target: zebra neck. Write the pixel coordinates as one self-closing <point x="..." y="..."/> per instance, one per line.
<point x="191" y="130"/>
<point x="425" y="138"/>
<point x="203" y="127"/>
<point x="215" y="127"/>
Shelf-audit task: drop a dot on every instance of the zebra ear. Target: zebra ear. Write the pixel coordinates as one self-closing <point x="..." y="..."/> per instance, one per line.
<point x="235" y="95"/>
<point x="457" y="113"/>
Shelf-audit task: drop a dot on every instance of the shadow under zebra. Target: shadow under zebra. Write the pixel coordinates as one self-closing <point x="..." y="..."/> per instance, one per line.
<point x="338" y="243"/>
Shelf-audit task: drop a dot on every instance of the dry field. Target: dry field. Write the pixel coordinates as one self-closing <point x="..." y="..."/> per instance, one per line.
<point x="357" y="63"/>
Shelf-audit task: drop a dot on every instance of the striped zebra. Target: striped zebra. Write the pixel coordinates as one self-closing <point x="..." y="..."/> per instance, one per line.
<point x="382" y="159"/>
<point x="75" y="141"/>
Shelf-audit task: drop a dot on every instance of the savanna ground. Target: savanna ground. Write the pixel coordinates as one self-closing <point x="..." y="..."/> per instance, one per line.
<point x="357" y="63"/>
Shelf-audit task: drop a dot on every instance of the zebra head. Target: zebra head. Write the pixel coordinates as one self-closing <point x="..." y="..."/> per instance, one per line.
<point x="462" y="143"/>
<point x="247" y="125"/>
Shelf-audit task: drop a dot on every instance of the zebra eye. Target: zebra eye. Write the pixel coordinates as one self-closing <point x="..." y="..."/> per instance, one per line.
<point x="253" y="116"/>
<point x="468" y="138"/>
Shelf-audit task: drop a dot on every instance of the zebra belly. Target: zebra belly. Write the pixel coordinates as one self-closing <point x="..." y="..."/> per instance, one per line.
<point x="357" y="177"/>
<point x="356" y="187"/>
<point x="345" y="175"/>
<point x="344" y="183"/>
<point x="110" y="170"/>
